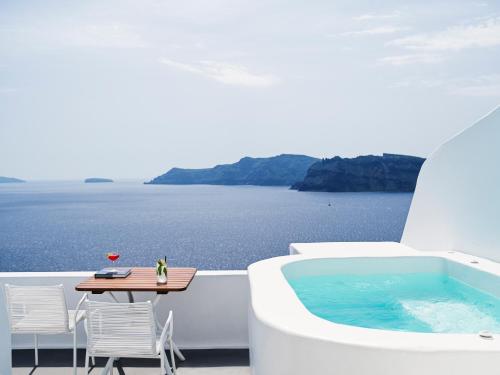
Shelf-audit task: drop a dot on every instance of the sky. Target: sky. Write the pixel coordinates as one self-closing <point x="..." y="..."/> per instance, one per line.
<point x="129" y="89"/>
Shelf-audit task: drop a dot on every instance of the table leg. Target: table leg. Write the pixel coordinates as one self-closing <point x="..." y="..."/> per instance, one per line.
<point x="130" y="297"/>
<point x="156" y="300"/>
<point x="113" y="297"/>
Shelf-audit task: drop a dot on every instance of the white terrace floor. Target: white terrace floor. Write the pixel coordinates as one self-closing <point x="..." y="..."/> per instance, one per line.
<point x="198" y="362"/>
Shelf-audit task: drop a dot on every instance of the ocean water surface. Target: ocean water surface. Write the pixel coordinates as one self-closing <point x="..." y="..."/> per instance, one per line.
<point x="62" y="226"/>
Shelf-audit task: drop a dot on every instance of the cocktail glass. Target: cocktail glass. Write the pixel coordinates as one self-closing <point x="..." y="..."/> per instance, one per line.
<point x="113" y="257"/>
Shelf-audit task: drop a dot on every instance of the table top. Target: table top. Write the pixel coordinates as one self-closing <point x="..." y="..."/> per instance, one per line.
<point x="141" y="279"/>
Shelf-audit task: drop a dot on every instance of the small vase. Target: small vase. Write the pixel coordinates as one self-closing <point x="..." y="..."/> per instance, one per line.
<point x="161" y="279"/>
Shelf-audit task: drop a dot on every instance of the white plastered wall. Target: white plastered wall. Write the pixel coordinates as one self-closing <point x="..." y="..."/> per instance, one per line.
<point x="456" y="205"/>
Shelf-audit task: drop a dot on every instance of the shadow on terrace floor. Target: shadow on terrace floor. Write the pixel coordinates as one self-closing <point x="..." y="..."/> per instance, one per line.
<point x="198" y="362"/>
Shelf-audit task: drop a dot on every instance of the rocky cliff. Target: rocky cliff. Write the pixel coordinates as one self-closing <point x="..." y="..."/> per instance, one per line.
<point x="281" y="170"/>
<point x="389" y="172"/>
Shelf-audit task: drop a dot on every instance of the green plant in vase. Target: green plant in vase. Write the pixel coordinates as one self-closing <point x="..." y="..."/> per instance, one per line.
<point x="161" y="270"/>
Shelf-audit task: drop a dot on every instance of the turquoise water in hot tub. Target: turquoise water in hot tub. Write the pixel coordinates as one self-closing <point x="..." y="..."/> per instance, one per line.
<point x="416" y="302"/>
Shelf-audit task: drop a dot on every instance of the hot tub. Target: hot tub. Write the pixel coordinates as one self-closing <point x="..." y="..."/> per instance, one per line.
<point x="409" y="313"/>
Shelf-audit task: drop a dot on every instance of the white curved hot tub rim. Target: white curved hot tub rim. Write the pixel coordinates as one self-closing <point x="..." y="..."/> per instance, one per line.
<point x="275" y="304"/>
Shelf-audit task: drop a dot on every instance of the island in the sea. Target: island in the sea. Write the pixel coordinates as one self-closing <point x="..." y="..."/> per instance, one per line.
<point x="281" y="170"/>
<point x="9" y="180"/>
<point x="93" y="180"/>
<point x="370" y="173"/>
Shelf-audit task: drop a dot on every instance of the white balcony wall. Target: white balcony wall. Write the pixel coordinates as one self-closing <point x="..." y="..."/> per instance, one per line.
<point x="211" y="313"/>
<point x="456" y="205"/>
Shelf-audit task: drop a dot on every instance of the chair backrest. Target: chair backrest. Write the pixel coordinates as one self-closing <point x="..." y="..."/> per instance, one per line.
<point x="37" y="309"/>
<point x="121" y="329"/>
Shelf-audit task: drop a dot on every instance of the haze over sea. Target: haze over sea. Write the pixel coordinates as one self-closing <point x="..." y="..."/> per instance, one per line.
<point x="62" y="226"/>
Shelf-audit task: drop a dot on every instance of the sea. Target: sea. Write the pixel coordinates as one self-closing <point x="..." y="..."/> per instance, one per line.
<point x="71" y="225"/>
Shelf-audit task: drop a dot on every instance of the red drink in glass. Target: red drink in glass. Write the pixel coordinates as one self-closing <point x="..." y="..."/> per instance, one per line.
<point x="113" y="257"/>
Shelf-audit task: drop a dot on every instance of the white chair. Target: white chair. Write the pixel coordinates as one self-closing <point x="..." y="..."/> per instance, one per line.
<point x="116" y="330"/>
<point x="41" y="310"/>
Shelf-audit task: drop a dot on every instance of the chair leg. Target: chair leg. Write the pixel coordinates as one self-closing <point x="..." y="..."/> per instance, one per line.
<point x="86" y="363"/>
<point x="74" y="352"/>
<point x="36" y="349"/>
<point x="162" y="364"/>
<point x="172" y="356"/>
<point x="87" y="333"/>
<point x="165" y="364"/>
<point x="178" y="352"/>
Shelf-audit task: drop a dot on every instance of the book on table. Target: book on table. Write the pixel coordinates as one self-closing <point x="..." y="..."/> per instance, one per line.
<point x="113" y="273"/>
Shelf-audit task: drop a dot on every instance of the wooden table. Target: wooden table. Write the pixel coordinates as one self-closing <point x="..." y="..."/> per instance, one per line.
<point x="142" y="279"/>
